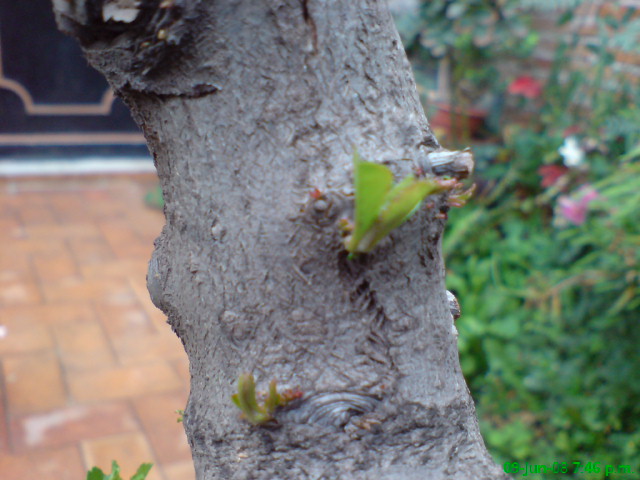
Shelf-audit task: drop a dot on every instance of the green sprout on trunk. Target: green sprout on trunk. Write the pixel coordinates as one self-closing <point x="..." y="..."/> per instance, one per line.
<point x="247" y="401"/>
<point x="381" y="206"/>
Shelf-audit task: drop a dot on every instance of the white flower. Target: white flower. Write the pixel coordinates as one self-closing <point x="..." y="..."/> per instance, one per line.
<point x="571" y="152"/>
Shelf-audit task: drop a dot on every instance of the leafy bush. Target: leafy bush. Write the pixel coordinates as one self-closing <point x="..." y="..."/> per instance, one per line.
<point x="549" y="329"/>
<point x="546" y="261"/>
<point x="473" y="36"/>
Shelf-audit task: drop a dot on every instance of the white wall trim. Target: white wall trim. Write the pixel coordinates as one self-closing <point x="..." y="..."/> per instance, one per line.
<point x="80" y="166"/>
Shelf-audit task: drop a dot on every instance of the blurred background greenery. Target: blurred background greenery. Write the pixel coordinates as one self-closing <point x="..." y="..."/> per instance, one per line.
<point x="545" y="259"/>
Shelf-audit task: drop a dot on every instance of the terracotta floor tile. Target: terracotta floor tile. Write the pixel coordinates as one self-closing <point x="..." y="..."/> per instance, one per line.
<point x="17" y="282"/>
<point x="167" y="437"/>
<point x="31" y="213"/>
<point x="71" y="425"/>
<point x="50" y="313"/>
<point x="58" y="231"/>
<point x="109" y="207"/>
<point x="135" y="250"/>
<point x="130" y="450"/>
<point x="147" y="224"/>
<point x="116" y="268"/>
<point x="15" y="270"/>
<point x="69" y="207"/>
<point x="83" y="345"/>
<point x="120" y="234"/>
<point x="32" y="194"/>
<point x="139" y="287"/>
<point x="77" y="314"/>
<point x="182" y="367"/>
<point x="97" y="196"/>
<point x="22" y="335"/>
<point x="122" y="382"/>
<point x="8" y="203"/>
<point x="149" y="231"/>
<point x="59" y="464"/>
<point x="135" y="349"/>
<point x="14" y="265"/>
<point x="71" y="289"/>
<point x="179" y="471"/>
<point x="19" y="292"/>
<point x="11" y="228"/>
<point x="4" y="428"/>
<point x="127" y="319"/>
<point x="55" y="268"/>
<point x="34" y="383"/>
<point x="29" y="245"/>
<point x="88" y="251"/>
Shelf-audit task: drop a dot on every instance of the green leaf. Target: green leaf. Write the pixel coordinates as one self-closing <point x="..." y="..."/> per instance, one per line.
<point x="95" y="474"/>
<point x="274" y="400"/>
<point x="565" y="18"/>
<point x="142" y="471"/>
<point x="608" y="58"/>
<point x="246" y="396"/>
<point x="372" y="182"/>
<point x="611" y="22"/>
<point x="180" y="418"/>
<point x="381" y="206"/>
<point x="405" y="198"/>
<point x="154" y="198"/>
<point x="631" y="154"/>
<point x="115" y="472"/>
<point x="247" y="402"/>
<point x="628" y="15"/>
<point x="594" y="48"/>
<point x="399" y="204"/>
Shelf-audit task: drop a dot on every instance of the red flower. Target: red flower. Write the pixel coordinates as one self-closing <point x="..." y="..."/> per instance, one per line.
<point x="526" y="86"/>
<point x="571" y="131"/>
<point x="551" y="174"/>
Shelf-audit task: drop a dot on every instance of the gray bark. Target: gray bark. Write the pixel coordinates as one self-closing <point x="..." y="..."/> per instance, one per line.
<point x="247" y="106"/>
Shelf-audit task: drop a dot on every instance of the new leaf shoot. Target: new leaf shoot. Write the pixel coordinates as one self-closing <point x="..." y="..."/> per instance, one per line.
<point x="381" y="206"/>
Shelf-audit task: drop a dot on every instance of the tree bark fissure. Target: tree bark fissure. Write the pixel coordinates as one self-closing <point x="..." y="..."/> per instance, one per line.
<point x="247" y="107"/>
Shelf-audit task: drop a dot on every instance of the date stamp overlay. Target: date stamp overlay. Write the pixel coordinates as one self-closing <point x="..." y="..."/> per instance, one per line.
<point x="590" y="470"/>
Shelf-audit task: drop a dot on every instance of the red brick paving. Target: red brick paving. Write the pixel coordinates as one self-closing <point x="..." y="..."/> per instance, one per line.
<point x="89" y="370"/>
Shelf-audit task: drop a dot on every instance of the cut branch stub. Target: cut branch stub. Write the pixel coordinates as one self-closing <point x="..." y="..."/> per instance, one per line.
<point x="140" y="35"/>
<point x="458" y="164"/>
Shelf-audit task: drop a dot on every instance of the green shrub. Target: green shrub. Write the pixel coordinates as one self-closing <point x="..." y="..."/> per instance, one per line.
<point x="549" y="331"/>
<point x="546" y="261"/>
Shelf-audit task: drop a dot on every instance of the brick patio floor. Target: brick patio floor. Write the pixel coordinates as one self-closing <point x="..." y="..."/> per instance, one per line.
<point x="90" y="371"/>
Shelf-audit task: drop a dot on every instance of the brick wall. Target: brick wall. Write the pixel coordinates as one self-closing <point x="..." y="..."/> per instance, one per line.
<point x="586" y="23"/>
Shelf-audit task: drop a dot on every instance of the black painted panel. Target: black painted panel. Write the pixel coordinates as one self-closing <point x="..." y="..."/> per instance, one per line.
<point x="46" y="87"/>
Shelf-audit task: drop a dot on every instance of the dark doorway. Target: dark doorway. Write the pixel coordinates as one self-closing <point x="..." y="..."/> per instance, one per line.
<point x="52" y="103"/>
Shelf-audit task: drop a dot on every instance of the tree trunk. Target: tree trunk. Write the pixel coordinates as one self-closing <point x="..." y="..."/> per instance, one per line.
<point x="247" y="107"/>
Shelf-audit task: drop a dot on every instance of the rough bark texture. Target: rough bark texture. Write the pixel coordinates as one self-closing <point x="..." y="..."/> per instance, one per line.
<point x="247" y="106"/>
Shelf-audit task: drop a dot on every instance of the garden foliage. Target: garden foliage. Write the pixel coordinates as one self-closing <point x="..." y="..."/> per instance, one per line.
<point x="545" y="261"/>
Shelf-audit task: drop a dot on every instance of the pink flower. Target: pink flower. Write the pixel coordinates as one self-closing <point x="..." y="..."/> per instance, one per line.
<point x="551" y="174"/>
<point x="574" y="209"/>
<point x="526" y="86"/>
